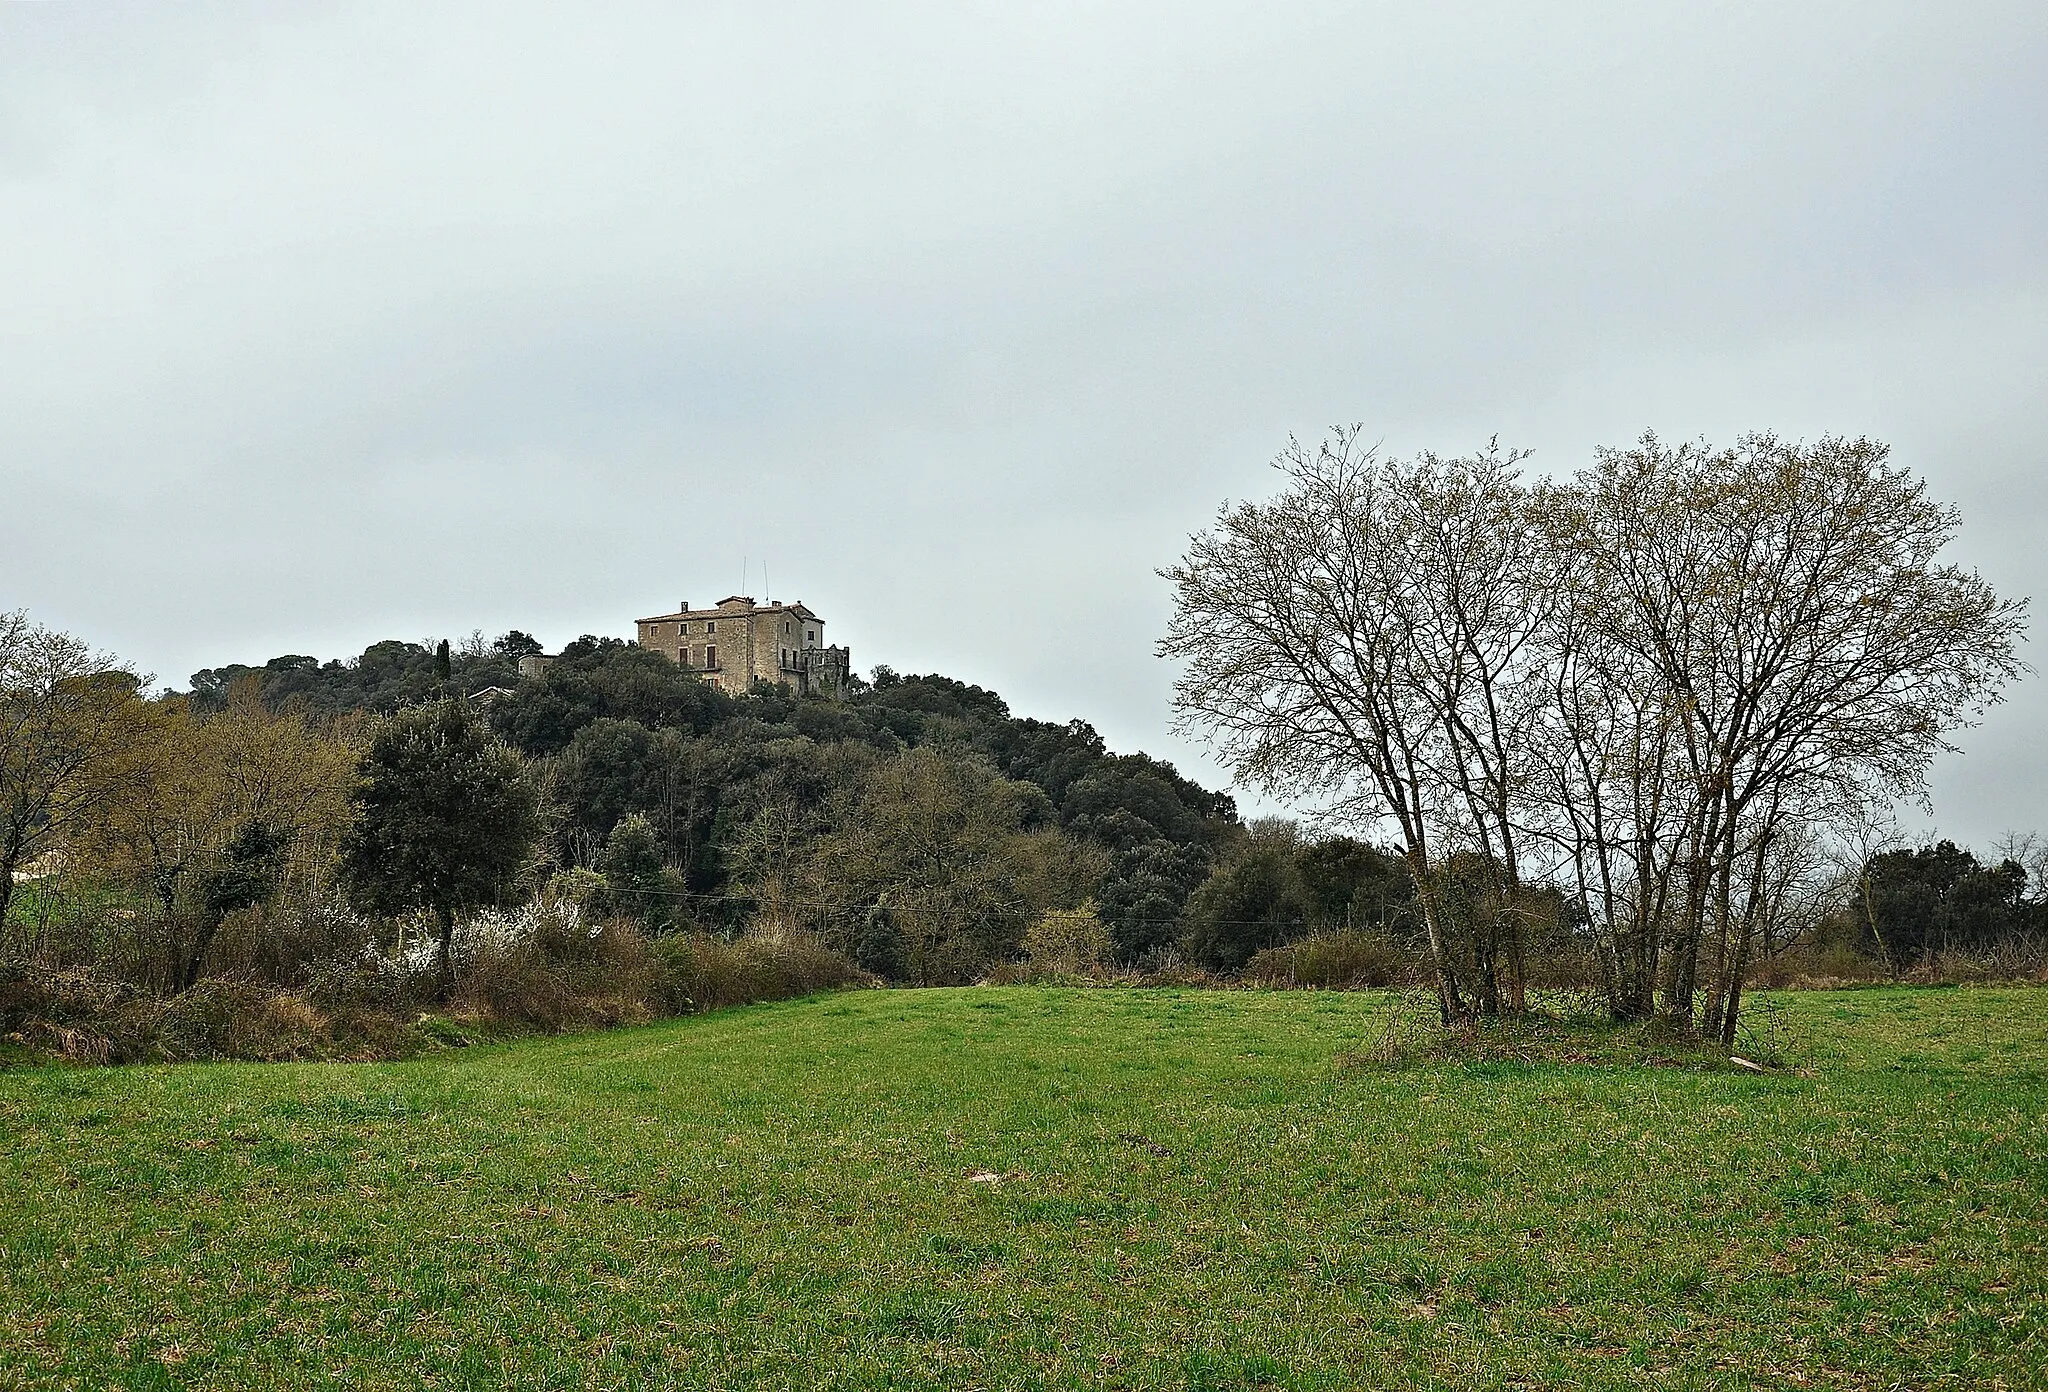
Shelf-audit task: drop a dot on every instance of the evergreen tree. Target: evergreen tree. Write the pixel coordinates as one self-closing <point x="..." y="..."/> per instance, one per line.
<point x="446" y="817"/>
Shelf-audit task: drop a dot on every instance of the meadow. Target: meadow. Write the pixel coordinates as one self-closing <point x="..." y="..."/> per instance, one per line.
<point x="1035" y="1187"/>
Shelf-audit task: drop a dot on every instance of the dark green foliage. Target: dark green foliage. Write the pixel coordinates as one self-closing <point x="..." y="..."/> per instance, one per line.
<point x="939" y="696"/>
<point x="386" y="676"/>
<point x="245" y="877"/>
<point x="1348" y="884"/>
<point x="635" y="733"/>
<point x="247" y="873"/>
<point x="879" y="947"/>
<point x="1253" y="901"/>
<point x="619" y="731"/>
<point x="604" y="775"/>
<point x="636" y="881"/>
<point x="1144" y="895"/>
<point x="1103" y="803"/>
<point x="1940" y="898"/>
<point x="602" y="678"/>
<point x="446" y="819"/>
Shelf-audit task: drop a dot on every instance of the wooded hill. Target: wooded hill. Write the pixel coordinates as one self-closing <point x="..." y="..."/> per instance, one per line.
<point x="753" y="801"/>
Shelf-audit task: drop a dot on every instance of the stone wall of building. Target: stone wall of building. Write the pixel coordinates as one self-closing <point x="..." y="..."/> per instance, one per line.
<point x="755" y="643"/>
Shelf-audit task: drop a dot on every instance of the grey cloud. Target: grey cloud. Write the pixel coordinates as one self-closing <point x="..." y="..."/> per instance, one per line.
<point x="325" y="324"/>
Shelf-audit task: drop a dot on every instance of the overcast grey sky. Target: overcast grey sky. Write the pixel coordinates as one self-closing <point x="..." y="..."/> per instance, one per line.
<point x="323" y="324"/>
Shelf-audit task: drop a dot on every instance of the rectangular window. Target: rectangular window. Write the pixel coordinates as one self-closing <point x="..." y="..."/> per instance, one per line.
<point x="711" y="625"/>
<point x="710" y="659"/>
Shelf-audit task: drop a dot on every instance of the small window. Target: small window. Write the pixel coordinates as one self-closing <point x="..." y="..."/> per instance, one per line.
<point x="710" y="659"/>
<point x="711" y="625"/>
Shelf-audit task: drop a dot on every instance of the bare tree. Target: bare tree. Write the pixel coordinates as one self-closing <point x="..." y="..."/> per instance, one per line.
<point x="1788" y="601"/>
<point x="66" y="714"/>
<point x="1640" y="687"/>
<point x="1362" y="642"/>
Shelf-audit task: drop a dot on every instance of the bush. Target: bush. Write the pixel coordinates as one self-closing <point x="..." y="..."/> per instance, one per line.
<point x="699" y="972"/>
<point x="77" y="1014"/>
<point x="1250" y="903"/>
<point x="2017" y="957"/>
<point x="1068" y="942"/>
<point x="240" y="1020"/>
<point x="879" y="948"/>
<point x="1342" y="961"/>
<point x="541" y="967"/>
<point x="291" y="943"/>
<point x="1819" y="963"/>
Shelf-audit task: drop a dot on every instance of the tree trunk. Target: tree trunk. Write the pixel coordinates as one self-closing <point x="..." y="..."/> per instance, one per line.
<point x="1449" y="1006"/>
<point x="1488" y="985"/>
<point x="188" y="973"/>
<point x="444" y="973"/>
<point x="1756" y="918"/>
<point x="1732" y="1012"/>
<point x="1518" y="979"/>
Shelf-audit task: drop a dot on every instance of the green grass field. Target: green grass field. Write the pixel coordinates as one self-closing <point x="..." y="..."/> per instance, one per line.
<point x="1021" y="1187"/>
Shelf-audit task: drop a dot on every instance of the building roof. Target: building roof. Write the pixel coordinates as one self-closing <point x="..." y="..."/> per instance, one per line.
<point x="731" y="607"/>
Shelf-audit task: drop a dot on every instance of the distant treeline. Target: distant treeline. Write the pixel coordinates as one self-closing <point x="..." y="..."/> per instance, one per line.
<point x="294" y="858"/>
<point x="624" y="733"/>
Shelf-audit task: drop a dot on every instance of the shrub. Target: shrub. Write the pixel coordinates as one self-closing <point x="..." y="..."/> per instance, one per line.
<point x="879" y="947"/>
<point x="2016" y="957"/>
<point x="225" y="1019"/>
<point x="1069" y="942"/>
<point x="701" y="972"/>
<point x="292" y="942"/>
<point x="1819" y="963"/>
<point x="541" y="966"/>
<point x="1250" y="903"/>
<point x="78" y="1014"/>
<point x="1342" y="961"/>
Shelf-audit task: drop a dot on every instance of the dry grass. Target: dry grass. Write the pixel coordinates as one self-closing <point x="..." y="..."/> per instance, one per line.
<point x="1343" y="961"/>
<point x="701" y="972"/>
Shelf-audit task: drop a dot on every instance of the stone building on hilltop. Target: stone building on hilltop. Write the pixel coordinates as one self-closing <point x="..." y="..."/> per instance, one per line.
<point x="741" y="645"/>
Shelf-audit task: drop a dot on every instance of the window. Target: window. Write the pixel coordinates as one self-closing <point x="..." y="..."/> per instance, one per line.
<point x="810" y="635"/>
<point x="710" y="658"/>
<point x="711" y="625"/>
